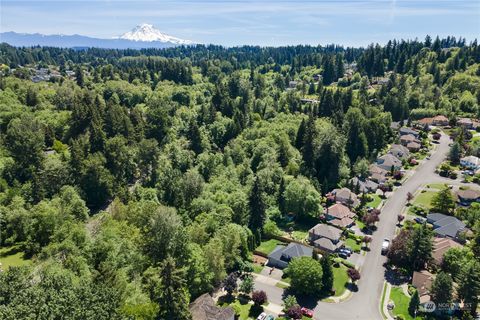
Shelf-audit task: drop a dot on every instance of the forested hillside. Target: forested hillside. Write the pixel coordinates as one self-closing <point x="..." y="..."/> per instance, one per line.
<point x="134" y="181"/>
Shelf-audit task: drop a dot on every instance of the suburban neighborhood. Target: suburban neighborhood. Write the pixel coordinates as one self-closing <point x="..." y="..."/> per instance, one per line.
<point x="402" y="193"/>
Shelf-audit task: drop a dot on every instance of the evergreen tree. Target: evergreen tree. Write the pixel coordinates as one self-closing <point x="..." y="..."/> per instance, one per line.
<point x="420" y="247"/>
<point x="414" y="303"/>
<point x="195" y="138"/>
<point x="455" y="153"/>
<point x="257" y="210"/>
<point x="173" y="297"/>
<point x="79" y="76"/>
<point x="300" y="137"/>
<point x="469" y="285"/>
<point x="442" y="287"/>
<point x="443" y="201"/>
<point x="327" y="277"/>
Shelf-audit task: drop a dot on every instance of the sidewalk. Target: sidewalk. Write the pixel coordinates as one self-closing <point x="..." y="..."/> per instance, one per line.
<point x="386" y="300"/>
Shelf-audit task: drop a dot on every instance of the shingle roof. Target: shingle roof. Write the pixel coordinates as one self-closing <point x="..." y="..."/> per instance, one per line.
<point x="422" y="281"/>
<point x="339" y="211"/>
<point x="445" y="226"/>
<point x="405" y="131"/>
<point x="204" y="308"/>
<point x="342" y="223"/>
<point x="440" y="246"/>
<point x="469" y="194"/>
<point x="326" y="231"/>
<point x="389" y="160"/>
<point x="327" y="244"/>
<point x="293" y="250"/>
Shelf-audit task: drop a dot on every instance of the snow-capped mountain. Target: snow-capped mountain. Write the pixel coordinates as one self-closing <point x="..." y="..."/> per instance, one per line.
<point x="143" y="36"/>
<point x="148" y="33"/>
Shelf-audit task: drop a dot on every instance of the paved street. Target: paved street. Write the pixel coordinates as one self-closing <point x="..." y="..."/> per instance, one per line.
<point x="365" y="304"/>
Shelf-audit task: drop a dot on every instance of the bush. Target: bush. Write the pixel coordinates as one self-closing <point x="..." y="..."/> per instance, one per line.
<point x="295" y="312"/>
<point x="259" y="297"/>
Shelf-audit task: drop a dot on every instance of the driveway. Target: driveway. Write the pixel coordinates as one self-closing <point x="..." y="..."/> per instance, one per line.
<point x="365" y="304"/>
<point x="268" y="284"/>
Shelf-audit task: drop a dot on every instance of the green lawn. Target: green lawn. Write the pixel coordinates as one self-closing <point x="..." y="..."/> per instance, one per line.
<point x="242" y="310"/>
<point x="424" y="199"/>
<point x="268" y="246"/>
<point x="360" y="224"/>
<point x="340" y="278"/>
<point x="375" y="202"/>
<point x="299" y="235"/>
<point x="401" y="303"/>
<point x="438" y="186"/>
<point x="353" y="244"/>
<point x="257" y="268"/>
<point x="12" y="256"/>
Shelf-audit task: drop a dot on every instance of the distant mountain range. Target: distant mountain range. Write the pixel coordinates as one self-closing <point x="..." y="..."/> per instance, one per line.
<point x="142" y="36"/>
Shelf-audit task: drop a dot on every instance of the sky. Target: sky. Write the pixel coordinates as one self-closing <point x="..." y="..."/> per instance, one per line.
<point x="239" y="22"/>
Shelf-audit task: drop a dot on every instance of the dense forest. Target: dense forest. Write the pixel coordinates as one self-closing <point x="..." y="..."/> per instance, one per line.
<point x="137" y="180"/>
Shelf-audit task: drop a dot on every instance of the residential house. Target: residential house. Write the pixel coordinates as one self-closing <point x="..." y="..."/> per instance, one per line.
<point x="399" y="151"/>
<point x="317" y="77"/>
<point x="377" y="174"/>
<point x="440" y="247"/>
<point x="408" y="131"/>
<point x="363" y="185"/>
<point x="325" y="237"/>
<point x="344" y="196"/>
<point x="282" y="255"/>
<point x="446" y="226"/>
<point x="205" y="308"/>
<point x="395" y="125"/>
<point x="414" y="146"/>
<point x="425" y="122"/>
<point x="440" y="120"/>
<point x="470" y="162"/>
<point x="389" y="161"/>
<point x="422" y="281"/>
<point x="340" y="216"/>
<point x="465" y="122"/>
<point x="406" y="139"/>
<point x="466" y="197"/>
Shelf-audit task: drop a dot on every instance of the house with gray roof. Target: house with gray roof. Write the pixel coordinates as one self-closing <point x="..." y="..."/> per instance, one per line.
<point x="446" y="226"/>
<point x="399" y="151"/>
<point x="282" y="255"/>
<point x="363" y="185"/>
<point x="325" y="237"/>
<point x="386" y="162"/>
<point x="406" y="131"/>
<point x="205" y="308"/>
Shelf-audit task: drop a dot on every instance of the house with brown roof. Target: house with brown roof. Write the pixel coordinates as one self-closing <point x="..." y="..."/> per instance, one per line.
<point x="440" y="120"/>
<point x="344" y="196"/>
<point x="325" y="237"/>
<point x="422" y="281"/>
<point x="466" y="197"/>
<point x="377" y="174"/>
<point x="440" y="247"/>
<point x="414" y="146"/>
<point x="406" y="139"/>
<point x="204" y="308"/>
<point x="425" y="121"/>
<point x="340" y="216"/>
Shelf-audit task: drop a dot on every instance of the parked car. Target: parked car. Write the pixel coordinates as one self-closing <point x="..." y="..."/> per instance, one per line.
<point x="419" y="220"/>
<point x="385" y="245"/>
<point x="262" y="316"/>
<point x="307" y="312"/>
<point x="343" y="255"/>
<point x="345" y="251"/>
<point x="270" y="317"/>
<point x="348" y="249"/>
